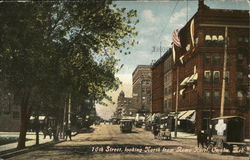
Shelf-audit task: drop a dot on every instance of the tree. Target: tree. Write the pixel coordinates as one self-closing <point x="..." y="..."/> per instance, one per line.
<point x="48" y="50"/>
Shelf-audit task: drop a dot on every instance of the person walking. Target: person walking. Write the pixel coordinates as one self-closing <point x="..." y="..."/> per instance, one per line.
<point x="68" y="134"/>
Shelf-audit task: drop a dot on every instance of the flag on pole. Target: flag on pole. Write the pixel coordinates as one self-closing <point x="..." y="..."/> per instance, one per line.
<point x="192" y="31"/>
<point x="176" y="39"/>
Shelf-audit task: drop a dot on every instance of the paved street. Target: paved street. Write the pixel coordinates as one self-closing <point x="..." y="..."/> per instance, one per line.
<point x="107" y="142"/>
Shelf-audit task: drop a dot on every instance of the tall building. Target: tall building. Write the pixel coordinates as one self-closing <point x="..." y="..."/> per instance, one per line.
<point x="162" y="84"/>
<point x="142" y="88"/>
<point x="210" y="39"/>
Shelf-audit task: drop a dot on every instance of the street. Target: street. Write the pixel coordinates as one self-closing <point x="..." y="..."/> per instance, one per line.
<point x="107" y="142"/>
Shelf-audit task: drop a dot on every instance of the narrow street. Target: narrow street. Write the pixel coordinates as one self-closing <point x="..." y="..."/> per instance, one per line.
<point x="106" y="142"/>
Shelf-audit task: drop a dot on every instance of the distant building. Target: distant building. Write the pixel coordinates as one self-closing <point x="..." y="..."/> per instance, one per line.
<point x="9" y="113"/>
<point x="125" y="106"/>
<point x="142" y="88"/>
<point x="198" y="70"/>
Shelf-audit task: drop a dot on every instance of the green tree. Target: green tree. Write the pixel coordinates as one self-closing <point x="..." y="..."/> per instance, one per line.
<point x="48" y="50"/>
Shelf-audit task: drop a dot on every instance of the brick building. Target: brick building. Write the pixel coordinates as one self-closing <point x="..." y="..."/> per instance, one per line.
<point x="142" y="88"/>
<point x="162" y="84"/>
<point x="199" y="66"/>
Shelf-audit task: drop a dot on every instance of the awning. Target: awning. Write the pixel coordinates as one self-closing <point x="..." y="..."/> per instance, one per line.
<point x="181" y="91"/>
<point x="184" y="82"/>
<point x="40" y="118"/>
<point x="221" y="38"/>
<point x="193" y="78"/>
<point x="181" y="113"/>
<point x="208" y="38"/>
<point x="187" y="115"/>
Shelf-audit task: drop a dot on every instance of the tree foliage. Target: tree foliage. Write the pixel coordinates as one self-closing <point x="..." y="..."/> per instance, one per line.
<point x="48" y="50"/>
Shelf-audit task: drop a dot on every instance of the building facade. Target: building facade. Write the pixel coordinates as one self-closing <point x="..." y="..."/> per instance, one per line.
<point x="211" y="38"/>
<point x="162" y="84"/>
<point x="142" y="87"/>
<point x="125" y="106"/>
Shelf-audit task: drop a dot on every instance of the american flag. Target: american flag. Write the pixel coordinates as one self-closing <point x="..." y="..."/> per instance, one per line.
<point x="176" y="39"/>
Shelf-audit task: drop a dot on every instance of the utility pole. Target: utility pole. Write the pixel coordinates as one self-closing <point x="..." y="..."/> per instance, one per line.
<point x="224" y="75"/>
<point x="176" y="102"/>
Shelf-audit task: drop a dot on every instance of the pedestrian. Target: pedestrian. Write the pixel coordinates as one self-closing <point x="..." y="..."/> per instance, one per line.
<point x="155" y="130"/>
<point x="68" y="134"/>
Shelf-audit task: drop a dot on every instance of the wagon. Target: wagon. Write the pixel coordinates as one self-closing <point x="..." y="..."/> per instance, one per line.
<point x="126" y="125"/>
<point x="227" y="133"/>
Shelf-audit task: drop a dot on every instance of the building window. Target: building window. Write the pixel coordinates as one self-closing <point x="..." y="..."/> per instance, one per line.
<point x="227" y="76"/>
<point x="240" y="57"/>
<point x="239" y="76"/>
<point x="216" y="77"/>
<point x="216" y="97"/>
<point x="240" y="97"/>
<point x="207" y="58"/>
<point x="226" y="97"/>
<point x="207" y="96"/>
<point x="208" y="40"/>
<point x="220" y="40"/>
<point x="16" y="115"/>
<point x="207" y="76"/>
<point x="217" y="59"/>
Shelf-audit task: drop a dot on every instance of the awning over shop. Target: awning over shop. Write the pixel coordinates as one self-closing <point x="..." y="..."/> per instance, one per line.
<point x="181" y="91"/>
<point x="181" y="113"/>
<point x="187" y="115"/>
<point x="184" y="82"/>
<point x="40" y="118"/>
<point x="193" y="78"/>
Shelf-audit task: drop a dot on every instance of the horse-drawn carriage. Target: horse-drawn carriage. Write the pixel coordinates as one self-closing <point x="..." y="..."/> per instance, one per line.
<point x="227" y="133"/>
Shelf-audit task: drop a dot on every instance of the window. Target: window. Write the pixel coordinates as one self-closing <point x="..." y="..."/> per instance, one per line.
<point x="207" y="96"/>
<point x="207" y="58"/>
<point x="208" y="40"/>
<point x="216" y="97"/>
<point x="207" y="76"/>
<point x="227" y="76"/>
<point x="240" y="97"/>
<point x="16" y="115"/>
<point x="216" y="77"/>
<point x="240" y="57"/>
<point x="226" y="97"/>
<point x="240" y="76"/>
<point x="220" y="40"/>
<point x="217" y="59"/>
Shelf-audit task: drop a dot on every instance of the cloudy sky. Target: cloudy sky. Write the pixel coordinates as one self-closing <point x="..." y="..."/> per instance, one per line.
<point x="158" y="20"/>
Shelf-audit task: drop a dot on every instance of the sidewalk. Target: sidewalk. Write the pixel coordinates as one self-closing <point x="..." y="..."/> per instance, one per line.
<point x="184" y="135"/>
<point x="30" y="135"/>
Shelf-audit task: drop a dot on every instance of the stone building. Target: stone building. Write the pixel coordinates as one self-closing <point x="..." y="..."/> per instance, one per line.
<point x="125" y="106"/>
<point x="205" y="40"/>
<point x="142" y="88"/>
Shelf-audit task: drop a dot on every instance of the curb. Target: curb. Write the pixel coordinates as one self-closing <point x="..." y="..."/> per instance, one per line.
<point x="14" y="152"/>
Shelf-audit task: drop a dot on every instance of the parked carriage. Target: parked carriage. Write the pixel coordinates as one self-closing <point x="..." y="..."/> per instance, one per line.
<point x="227" y="133"/>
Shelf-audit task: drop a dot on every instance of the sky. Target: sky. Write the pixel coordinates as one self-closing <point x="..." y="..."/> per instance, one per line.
<point x="158" y="20"/>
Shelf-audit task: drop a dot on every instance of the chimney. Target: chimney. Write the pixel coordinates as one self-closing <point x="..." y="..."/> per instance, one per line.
<point x="201" y="3"/>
